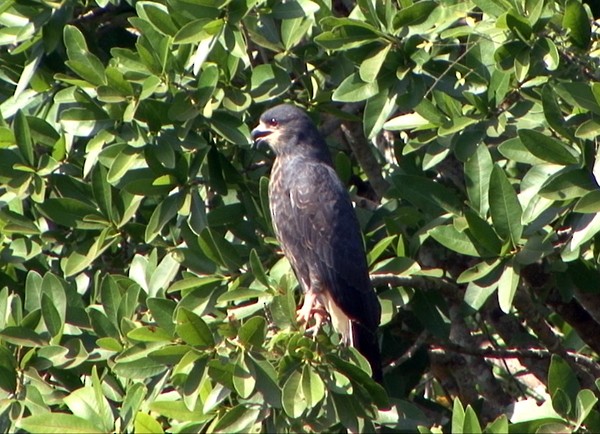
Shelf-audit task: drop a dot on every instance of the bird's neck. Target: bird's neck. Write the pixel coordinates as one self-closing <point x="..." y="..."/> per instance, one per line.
<point x="307" y="155"/>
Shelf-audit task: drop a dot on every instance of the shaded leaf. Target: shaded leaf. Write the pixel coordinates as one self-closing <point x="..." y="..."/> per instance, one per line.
<point x="505" y="207"/>
<point x="23" y="137"/>
<point x="193" y="330"/>
<point x="414" y="14"/>
<point x="507" y="286"/>
<point x="578" y="23"/>
<point x="253" y="331"/>
<point x="293" y="399"/>
<point x="548" y="148"/>
<point x="430" y="196"/>
<point x="478" y="170"/>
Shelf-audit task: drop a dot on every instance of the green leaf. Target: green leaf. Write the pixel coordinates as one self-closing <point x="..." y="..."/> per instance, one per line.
<point x="102" y="325"/>
<point x="313" y="387"/>
<point x="353" y="89"/>
<point x="158" y="16"/>
<point x="237" y="419"/>
<point x="505" y="207"/>
<point x="162" y="214"/>
<point x="348" y="34"/>
<point x="84" y="122"/>
<point x="584" y="404"/>
<point x="89" y="68"/>
<point x="370" y="67"/>
<point x="536" y="248"/>
<point x="258" y="270"/>
<point x="80" y="260"/>
<point x="192" y="32"/>
<point x="102" y="191"/>
<point x="493" y="7"/>
<point x="268" y="82"/>
<point x="483" y="233"/>
<point x="244" y="379"/>
<point x="589" y="203"/>
<point x="428" y="195"/>
<point x="408" y="121"/>
<point x="568" y="184"/>
<point x="126" y="157"/>
<point x="471" y="424"/>
<point x="144" y="423"/>
<point x="498" y="426"/>
<point x="561" y="377"/>
<point x="478" y="271"/>
<point x="553" y="113"/>
<point x="218" y="249"/>
<point x="429" y="314"/>
<point x="253" y="331"/>
<point x="292" y="398"/>
<point x="149" y="334"/>
<point x="22" y="336"/>
<point x="515" y="150"/>
<point x="58" y="423"/>
<point x="177" y="410"/>
<point x="377" y="111"/>
<point x="193" y="330"/>
<point x="266" y="379"/>
<point x="578" y="23"/>
<point x="507" y="286"/>
<point x="477" y="293"/>
<point x="519" y="26"/>
<point x="230" y="128"/>
<point x="51" y="316"/>
<point x="81" y="61"/>
<point x="91" y="406"/>
<point x="579" y="94"/>
<point x="293" y="30"/>
<point x="23" y="137"/>
<point x="141" y="369"/>
<point x="548" y="148"/>
<point x="448" y="236"/>
<point x="585" y="226"/>
<point x="588" y="130"/>
<point x="414" y="14"/>
<point x="478" y="170"/>
<point x="458" y="417"/>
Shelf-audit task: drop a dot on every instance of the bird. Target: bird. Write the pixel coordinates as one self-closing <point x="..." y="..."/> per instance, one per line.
<point x="319" y="233"/>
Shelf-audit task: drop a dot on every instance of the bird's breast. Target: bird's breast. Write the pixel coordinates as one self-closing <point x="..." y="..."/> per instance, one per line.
<point x="277" y="193"/>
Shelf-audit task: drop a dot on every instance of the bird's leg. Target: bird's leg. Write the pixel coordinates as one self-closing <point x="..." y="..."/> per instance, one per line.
<point x="312" y="308"/>
<point x="303" y="314"/>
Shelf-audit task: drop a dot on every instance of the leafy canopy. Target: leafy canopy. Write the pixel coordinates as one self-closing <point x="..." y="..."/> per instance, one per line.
<point x="142" y="289"/>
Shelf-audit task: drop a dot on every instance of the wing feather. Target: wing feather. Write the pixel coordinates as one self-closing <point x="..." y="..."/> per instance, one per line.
<point x="320" y="234"/>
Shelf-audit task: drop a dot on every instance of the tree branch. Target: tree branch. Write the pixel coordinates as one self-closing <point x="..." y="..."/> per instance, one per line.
<point x="512" y="353"/>
<point x="417" y="282"/>
<point x="364" y="155"/>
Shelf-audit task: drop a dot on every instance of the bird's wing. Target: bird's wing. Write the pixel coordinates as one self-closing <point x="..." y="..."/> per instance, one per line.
<point x="321" y="232"/>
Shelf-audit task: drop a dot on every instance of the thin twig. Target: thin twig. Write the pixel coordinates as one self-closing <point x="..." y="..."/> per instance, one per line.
<point x="512" y="353"/>
<point x="409" y="353"/>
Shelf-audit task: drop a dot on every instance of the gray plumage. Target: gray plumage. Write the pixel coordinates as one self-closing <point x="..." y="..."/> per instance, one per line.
<point x="318" y="230"/>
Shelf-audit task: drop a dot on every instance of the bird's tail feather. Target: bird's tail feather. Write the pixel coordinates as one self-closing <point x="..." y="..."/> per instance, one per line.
<point x="365" y="341"/>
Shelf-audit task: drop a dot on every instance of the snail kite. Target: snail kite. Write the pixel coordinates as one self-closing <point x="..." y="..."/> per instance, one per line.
<point x="316" y="225"/>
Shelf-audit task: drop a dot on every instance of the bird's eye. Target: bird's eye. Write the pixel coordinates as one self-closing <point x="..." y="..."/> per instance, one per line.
<point x="273" y="122"/>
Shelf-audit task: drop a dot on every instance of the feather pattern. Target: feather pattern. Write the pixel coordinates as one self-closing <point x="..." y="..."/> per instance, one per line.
<point x="318" y="230"/>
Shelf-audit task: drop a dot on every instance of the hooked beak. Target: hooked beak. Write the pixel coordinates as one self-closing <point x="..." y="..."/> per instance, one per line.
<point x="259" y="134"/>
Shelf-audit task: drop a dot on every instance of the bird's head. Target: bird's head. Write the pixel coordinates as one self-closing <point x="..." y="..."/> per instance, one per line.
<point x="288" y="129"/>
